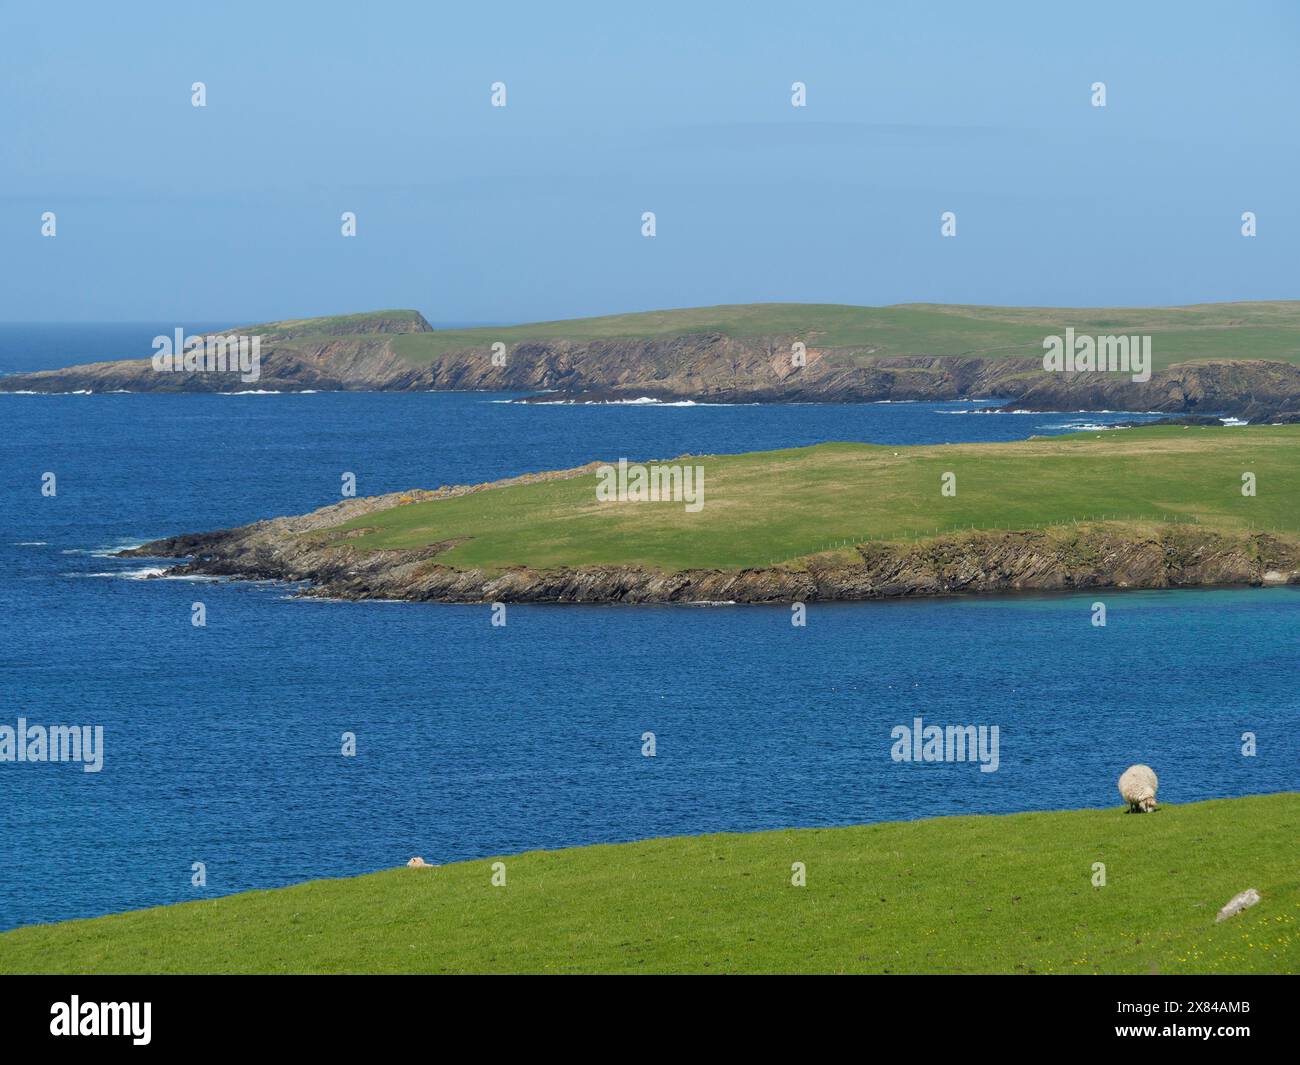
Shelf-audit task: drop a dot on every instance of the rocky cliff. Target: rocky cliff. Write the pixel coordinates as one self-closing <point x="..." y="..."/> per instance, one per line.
<point x="369" y="352"/>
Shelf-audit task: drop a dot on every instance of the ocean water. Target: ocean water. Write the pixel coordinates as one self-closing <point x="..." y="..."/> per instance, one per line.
<point x="25" y="347"/>
<point x="222" y="744"/>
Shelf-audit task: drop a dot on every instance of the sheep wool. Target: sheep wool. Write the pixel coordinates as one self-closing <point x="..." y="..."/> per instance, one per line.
<point x="1137" y="787"/>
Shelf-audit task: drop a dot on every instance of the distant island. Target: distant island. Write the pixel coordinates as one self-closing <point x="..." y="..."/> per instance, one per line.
<point x="1232" y="359"/>
<point x="1156" y="507"/>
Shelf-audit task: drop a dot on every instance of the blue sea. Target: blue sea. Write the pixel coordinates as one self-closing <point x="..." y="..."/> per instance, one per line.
<point x="222" y="744"/>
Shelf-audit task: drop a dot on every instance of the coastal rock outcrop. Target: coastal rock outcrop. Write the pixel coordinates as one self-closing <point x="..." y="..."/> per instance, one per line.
<point x="1243" y="900"/>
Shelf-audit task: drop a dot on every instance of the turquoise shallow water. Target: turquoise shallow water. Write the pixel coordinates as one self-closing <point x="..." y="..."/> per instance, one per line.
<point x="222" y="744"/>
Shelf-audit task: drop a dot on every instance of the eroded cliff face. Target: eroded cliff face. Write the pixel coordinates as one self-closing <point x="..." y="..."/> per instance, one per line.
<point x="1255" y="389"/>
<point x="703" y="367"/>
<point x="1099" y="555"/>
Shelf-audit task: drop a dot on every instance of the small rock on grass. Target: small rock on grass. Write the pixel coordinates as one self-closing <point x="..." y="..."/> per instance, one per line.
<point x="1241" y="901"/>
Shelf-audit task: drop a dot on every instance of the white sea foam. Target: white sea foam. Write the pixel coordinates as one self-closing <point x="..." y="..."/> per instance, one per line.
<point x="104" y="550"/>
<point x="646" y="401"/>
<point x="110" y="550"/>
<point x="147" y="573"/>
<point x="986" y="410"/>
<point x="1081" y="427"/>
<point x="640" y="401"/>
<point x="128" y="574"/>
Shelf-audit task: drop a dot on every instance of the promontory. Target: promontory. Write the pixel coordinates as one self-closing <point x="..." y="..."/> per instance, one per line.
<point x="1230" y="359"/>
<point x="1155" y="507"/>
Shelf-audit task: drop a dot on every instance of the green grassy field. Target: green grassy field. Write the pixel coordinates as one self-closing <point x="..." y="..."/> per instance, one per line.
<point x="779" y="506"/>
<point x="353" y="323"/>
<point x="1005" y="894"/>
<point x="1208" y="331"/>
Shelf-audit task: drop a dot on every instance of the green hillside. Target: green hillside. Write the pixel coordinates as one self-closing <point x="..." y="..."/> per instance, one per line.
<point x="364" y="324"/>
<point x="1207" y="331"/>
<point x="1008" y="894"/>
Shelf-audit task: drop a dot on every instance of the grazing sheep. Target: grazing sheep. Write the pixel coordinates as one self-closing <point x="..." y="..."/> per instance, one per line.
<point x="417" y="863"/>
<point x="1138" y="786"/>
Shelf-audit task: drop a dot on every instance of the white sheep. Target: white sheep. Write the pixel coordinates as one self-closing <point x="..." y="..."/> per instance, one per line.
<point x="1137" y="786"/>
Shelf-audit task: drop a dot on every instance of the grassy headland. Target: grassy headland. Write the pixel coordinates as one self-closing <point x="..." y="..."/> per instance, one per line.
<point x="1260" y="330"/>
<point x="781" y="506"/>
<point x="1233" y="358"/>
<point x="992" y="894"/>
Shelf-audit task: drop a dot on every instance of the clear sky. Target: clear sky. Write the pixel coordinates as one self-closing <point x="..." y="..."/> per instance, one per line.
<point x="472" y="213"/>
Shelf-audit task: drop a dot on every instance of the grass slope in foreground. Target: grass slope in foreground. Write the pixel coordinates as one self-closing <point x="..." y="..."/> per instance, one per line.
<point x="779" y="506"/>
<point x="1009" y="894"/>
<point x="1258" y="330"/>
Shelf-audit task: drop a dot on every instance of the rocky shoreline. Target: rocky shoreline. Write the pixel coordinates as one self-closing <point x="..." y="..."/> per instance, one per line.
<point x="1098" y="556"/>
<point x="703" y="367"/>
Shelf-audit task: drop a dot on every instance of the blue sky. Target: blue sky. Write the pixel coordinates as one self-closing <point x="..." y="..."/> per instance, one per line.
<point x="478" y="214"/>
